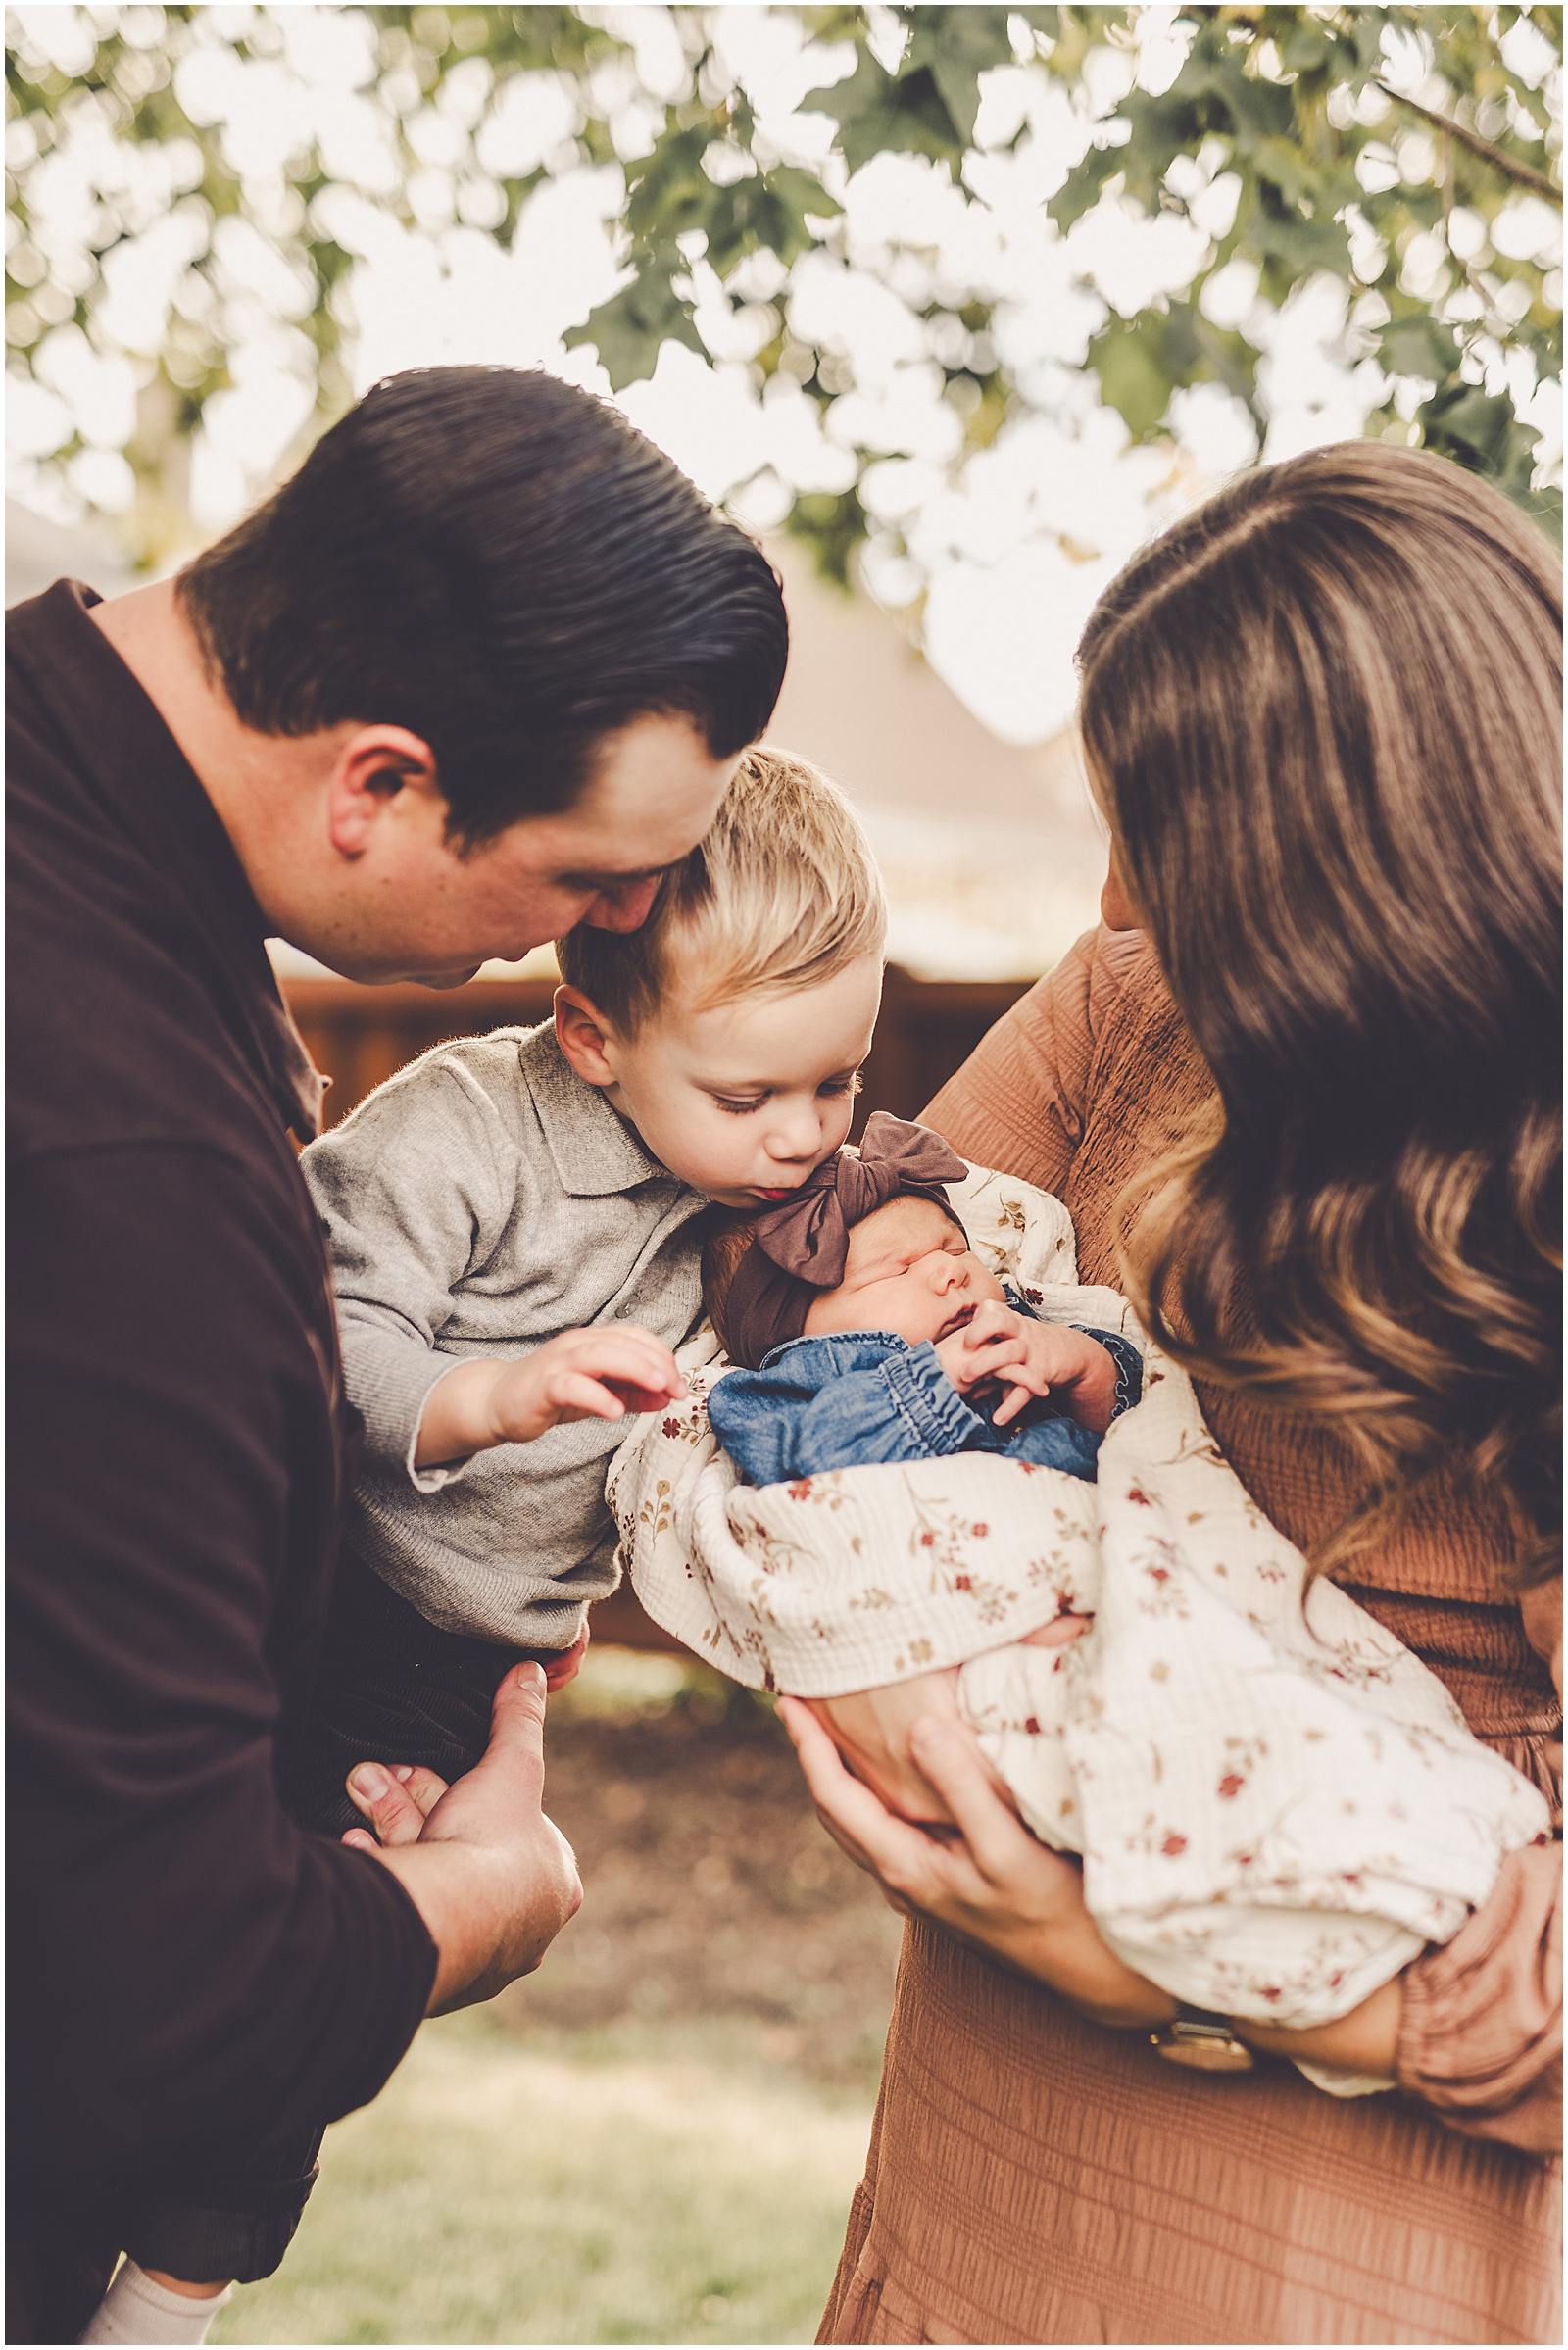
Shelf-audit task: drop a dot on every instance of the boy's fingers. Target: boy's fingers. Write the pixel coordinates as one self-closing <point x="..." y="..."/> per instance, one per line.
<point x="574" y="1390"/>
<point x="424" y="1787"/>
<point x="565" y="1667"/>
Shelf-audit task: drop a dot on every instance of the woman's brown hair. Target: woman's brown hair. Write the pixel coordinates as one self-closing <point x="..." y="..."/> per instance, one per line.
<point x="1324" y="719"/>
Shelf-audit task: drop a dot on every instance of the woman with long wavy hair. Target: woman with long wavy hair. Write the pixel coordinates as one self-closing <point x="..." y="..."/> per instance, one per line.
<point x="1303" y="1094"/>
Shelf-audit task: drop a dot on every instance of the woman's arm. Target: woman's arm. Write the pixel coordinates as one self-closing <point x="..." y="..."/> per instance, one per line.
<point x="1019" y="1100"/>
<point x="1001" y="1890"/>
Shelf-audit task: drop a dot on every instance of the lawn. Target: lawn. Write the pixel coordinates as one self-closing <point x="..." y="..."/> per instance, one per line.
<point x="655" y="2140"/>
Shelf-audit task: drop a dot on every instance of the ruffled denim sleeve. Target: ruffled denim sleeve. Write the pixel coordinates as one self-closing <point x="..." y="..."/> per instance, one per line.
<point x="839" y="1403"/>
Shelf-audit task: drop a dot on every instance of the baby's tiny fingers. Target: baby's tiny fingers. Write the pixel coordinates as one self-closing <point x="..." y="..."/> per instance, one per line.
<point x="1011" y="1404"/>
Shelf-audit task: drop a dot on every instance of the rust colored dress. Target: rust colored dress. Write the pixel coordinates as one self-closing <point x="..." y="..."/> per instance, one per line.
<point x="1034" y="2178"/>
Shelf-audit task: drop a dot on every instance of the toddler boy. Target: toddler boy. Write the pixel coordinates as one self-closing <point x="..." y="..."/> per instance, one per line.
<point x="516" y="1229"/>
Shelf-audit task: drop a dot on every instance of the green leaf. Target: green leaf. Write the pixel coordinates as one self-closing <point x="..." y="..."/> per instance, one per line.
<point x="879" y="114"/>
<point x="1128" y="358"/>
<point x="630" y="330"/>
<point x="1418" y="346"/>
<point x="832" y="525"/>
<point x="957" y="45"/>
<point x="1481" y="432"/>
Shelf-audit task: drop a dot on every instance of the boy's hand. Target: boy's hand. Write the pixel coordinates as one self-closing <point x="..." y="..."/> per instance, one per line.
<point x="582" y="1375"/>
<point x="1032" y="1358"/>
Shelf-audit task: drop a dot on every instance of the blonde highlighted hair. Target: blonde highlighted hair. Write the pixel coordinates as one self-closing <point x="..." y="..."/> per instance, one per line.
<point x="782" y="892"/>
<point x="1323" y="716"/>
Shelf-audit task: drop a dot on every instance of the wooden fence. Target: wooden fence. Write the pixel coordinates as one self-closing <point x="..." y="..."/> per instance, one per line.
<point x="359" y="1036"/>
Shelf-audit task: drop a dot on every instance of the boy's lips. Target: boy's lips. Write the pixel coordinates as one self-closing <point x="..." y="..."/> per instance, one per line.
<point x="961" y="1320"/>
<point x="782" y="1191"/>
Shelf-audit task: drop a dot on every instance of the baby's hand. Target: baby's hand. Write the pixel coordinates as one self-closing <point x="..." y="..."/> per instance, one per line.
<point x="1032" y="1358"/>
<point x="582" y="1375"/>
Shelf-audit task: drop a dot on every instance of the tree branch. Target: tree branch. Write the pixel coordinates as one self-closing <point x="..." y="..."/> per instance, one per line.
<point x="1524" y="176"/>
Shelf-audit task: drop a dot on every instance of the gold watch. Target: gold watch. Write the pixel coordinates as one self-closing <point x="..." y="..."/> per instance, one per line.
<point x="1202" y="2041"/>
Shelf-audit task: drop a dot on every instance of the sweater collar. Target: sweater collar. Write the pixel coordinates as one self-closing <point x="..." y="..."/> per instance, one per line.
<point x="594" y="1149"/>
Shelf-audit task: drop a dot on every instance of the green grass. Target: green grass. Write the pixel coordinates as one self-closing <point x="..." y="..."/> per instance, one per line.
<point x="635" y="2184"/>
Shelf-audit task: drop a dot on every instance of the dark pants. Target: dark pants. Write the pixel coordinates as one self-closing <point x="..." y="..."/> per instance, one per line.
<point x="63" y="2235"/>
<point x="391" y="1689"/>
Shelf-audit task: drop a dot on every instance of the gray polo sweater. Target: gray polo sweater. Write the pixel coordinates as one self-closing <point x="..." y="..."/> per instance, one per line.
<point x="482" y="1201"/>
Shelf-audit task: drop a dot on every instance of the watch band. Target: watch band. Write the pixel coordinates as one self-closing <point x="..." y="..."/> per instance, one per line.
<point x="1202" y="2041"/>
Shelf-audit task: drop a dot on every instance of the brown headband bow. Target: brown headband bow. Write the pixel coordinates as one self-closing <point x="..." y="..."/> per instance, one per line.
<point x="801" y="1246"/>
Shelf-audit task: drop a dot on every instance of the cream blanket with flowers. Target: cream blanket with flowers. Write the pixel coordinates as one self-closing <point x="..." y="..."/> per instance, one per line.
<point x="1277" y="1806"/>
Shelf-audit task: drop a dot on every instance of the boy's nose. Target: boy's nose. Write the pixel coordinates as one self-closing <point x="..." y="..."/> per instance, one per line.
<point x="795" y="1136"/>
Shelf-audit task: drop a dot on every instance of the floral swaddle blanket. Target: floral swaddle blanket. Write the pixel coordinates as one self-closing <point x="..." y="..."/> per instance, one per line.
<point x="1277" y="1808"/>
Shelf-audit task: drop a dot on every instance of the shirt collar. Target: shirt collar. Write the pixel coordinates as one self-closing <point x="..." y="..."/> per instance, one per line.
<point x="594" y="1149"/>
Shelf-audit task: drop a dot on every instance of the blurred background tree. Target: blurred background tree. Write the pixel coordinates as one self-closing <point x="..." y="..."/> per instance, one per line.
<point x="189" y="187"/>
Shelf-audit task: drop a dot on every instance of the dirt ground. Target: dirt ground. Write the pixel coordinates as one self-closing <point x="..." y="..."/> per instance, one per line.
<point x="711" y="1891"/>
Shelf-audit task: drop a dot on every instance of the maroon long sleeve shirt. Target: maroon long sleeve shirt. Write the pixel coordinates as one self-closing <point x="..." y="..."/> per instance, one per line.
<point x="189" y="1972"/>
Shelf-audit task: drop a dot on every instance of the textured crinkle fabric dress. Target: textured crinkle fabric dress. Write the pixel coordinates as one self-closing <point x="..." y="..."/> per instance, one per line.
<point x="1034" y="2178"/>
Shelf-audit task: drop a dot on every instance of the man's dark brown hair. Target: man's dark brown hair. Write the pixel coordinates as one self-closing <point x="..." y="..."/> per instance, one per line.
<point x="497" y="561"/>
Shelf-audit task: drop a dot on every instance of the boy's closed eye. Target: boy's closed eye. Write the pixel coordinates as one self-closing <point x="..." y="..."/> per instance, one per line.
<point x="741" y="1105"/>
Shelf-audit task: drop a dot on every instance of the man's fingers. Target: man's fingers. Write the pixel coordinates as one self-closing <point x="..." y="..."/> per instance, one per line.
<point x="386" y="1803"/>
<point x="517" y="1726"/>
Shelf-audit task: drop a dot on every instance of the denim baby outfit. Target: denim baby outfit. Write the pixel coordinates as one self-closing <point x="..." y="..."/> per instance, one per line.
<point x="863" y="1395"/>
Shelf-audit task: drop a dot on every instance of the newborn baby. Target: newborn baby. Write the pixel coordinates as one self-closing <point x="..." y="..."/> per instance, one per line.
<point x="870" y="1332"/>
<point x="1277" y="1805"/>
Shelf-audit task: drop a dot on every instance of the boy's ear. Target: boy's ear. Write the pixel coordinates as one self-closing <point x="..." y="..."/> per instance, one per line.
<point x="582" y="1031"/>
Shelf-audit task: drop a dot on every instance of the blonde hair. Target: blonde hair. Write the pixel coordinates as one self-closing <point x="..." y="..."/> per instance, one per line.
<point x="782" y="892"/>
<point x="1324" y="719"/>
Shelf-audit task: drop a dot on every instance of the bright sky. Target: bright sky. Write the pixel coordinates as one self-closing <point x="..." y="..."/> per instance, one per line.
<point x="1013" y="547"/>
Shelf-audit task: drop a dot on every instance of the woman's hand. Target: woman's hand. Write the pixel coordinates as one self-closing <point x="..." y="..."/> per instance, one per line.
<point x="580" y="1374"/>
<point x="998" y="1887"/>
<point x="871" y="1728"/>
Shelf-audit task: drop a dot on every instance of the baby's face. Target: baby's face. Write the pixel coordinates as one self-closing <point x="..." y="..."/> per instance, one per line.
<point x="909" y="1270"/>
<point x="743" y="1100"/>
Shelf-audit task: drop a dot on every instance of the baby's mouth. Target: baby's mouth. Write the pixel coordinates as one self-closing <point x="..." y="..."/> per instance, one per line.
<point x="959" y="1321"/>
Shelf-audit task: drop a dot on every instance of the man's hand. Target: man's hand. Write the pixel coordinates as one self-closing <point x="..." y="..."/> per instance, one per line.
<point x="494" y="1880"/>
<point x="999" y="1346"/>
<point x="581" y="1375"/>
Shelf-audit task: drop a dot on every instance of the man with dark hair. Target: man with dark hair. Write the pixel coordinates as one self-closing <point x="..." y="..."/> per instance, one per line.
<point x="479" y="671"/>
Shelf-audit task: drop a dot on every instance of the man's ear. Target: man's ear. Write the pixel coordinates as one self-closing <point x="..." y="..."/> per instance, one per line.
<point x="583" y="1033"/>
<point x="376" y="766"/>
